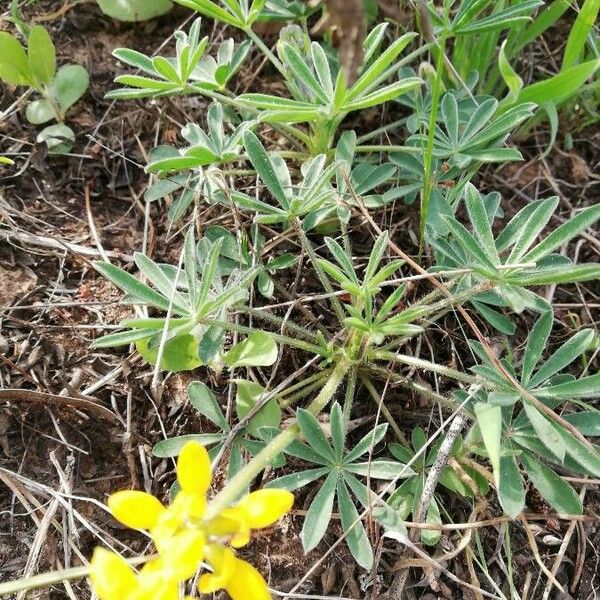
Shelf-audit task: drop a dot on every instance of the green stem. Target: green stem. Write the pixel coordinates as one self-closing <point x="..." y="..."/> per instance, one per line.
<point x="381" y="130"/>
<point x="420" y="310"/>
<point x="422" y="364"/>
<point x="459" y="298"/>
<point x="384" y="410"/>
<point x="349" y="397"/>
<point x="418" y="388"/>
<point x="306" y="244"/>
<point x="263" y="315"/>
<point x="316" y="377"/>
<point x="428" y="157"/>
<point x="242" y="480"/>
<point x="265" y="50"/>
<point x="309" y="389"/>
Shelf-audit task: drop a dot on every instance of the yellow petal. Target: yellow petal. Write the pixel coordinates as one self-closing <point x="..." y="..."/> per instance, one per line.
<point x="241" y="538"/>
<point x="190" y="505"/>
<point x="137" y="510"/>
<point x="247" y="583"/>
<point x="157" y="589"/>
<point x="193" y="468"/>
<point x="111" y="575"/>
<point x="263" y="507"/>
<point x="183" y="553"/>
<point x="155" y="583"/>
<point x="223" y="562"/>
<point x="232" y="523"/>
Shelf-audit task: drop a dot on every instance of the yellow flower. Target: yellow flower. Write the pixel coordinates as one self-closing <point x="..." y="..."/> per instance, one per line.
<point x="140" y="510"/>
<point x="264" y="507"/>
<point x="113" y="579"/>
<point x="182" y="553"/>
<point x="137" y="510"/>
<point x="222" y="560"/>
<point x="246" y="582"/>
<point x="237" y="577"/>
<point x="194" y="469"/>
<point x="184" y="538"/>
<point x="257" y="510"/>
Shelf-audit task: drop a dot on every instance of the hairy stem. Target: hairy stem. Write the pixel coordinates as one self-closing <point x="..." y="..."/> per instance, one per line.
<point x="308" y="248"/>
<point x="384" y="410"/>
<point x="421" y="363"/>
<point x="265" y="50"/>
<point x="428" y="157"/>
<point x="263" y="315"/>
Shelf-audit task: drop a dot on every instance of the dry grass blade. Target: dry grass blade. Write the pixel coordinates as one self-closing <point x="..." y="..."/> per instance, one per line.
<point x="45" y="398"/>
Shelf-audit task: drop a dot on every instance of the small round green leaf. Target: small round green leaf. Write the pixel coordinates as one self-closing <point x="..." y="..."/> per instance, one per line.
<point x="247" y="396"/>
<point x="179" y="354"/>
<point x="257" y="350"/>
<point x="69" y="85"/>
<point x="40" y="111"/>
<point x="135" y="10"/>
<point x="58" y="138"/>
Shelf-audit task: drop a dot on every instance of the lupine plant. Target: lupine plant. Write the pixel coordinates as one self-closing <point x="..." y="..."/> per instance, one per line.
<point x="526" y="415"/>
<point x="34" y="67"/>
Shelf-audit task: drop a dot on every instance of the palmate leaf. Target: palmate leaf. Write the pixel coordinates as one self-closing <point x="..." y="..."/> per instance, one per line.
<point x="563" y="357"/>
<point x="536" y="343"/>
<point x="489" y="420"/>
<point x="299" y="479"/>
<point x="132" y="286"/>
<point x="188" y="342"/>
<point x="516" y="431"/>
<point x="205" y="402"/>
<point x="472" y="131"/>
<point x="312" y="432"/>
<point x="463" y="249"/>
<point x="542" y="382"/>
<point x="511" y="490"/>
<point x="309" y="79"/>
<point x="266" y="170"/>
<point x="356" y="536"/>
<point x="340" y="469"/>
<point x="189" y="71"/>
<point x="214" y="11"/>
<point x="310" y="200"/>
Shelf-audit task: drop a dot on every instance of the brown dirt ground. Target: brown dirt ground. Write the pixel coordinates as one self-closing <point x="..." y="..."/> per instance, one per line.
<point x="52" y="305"/>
